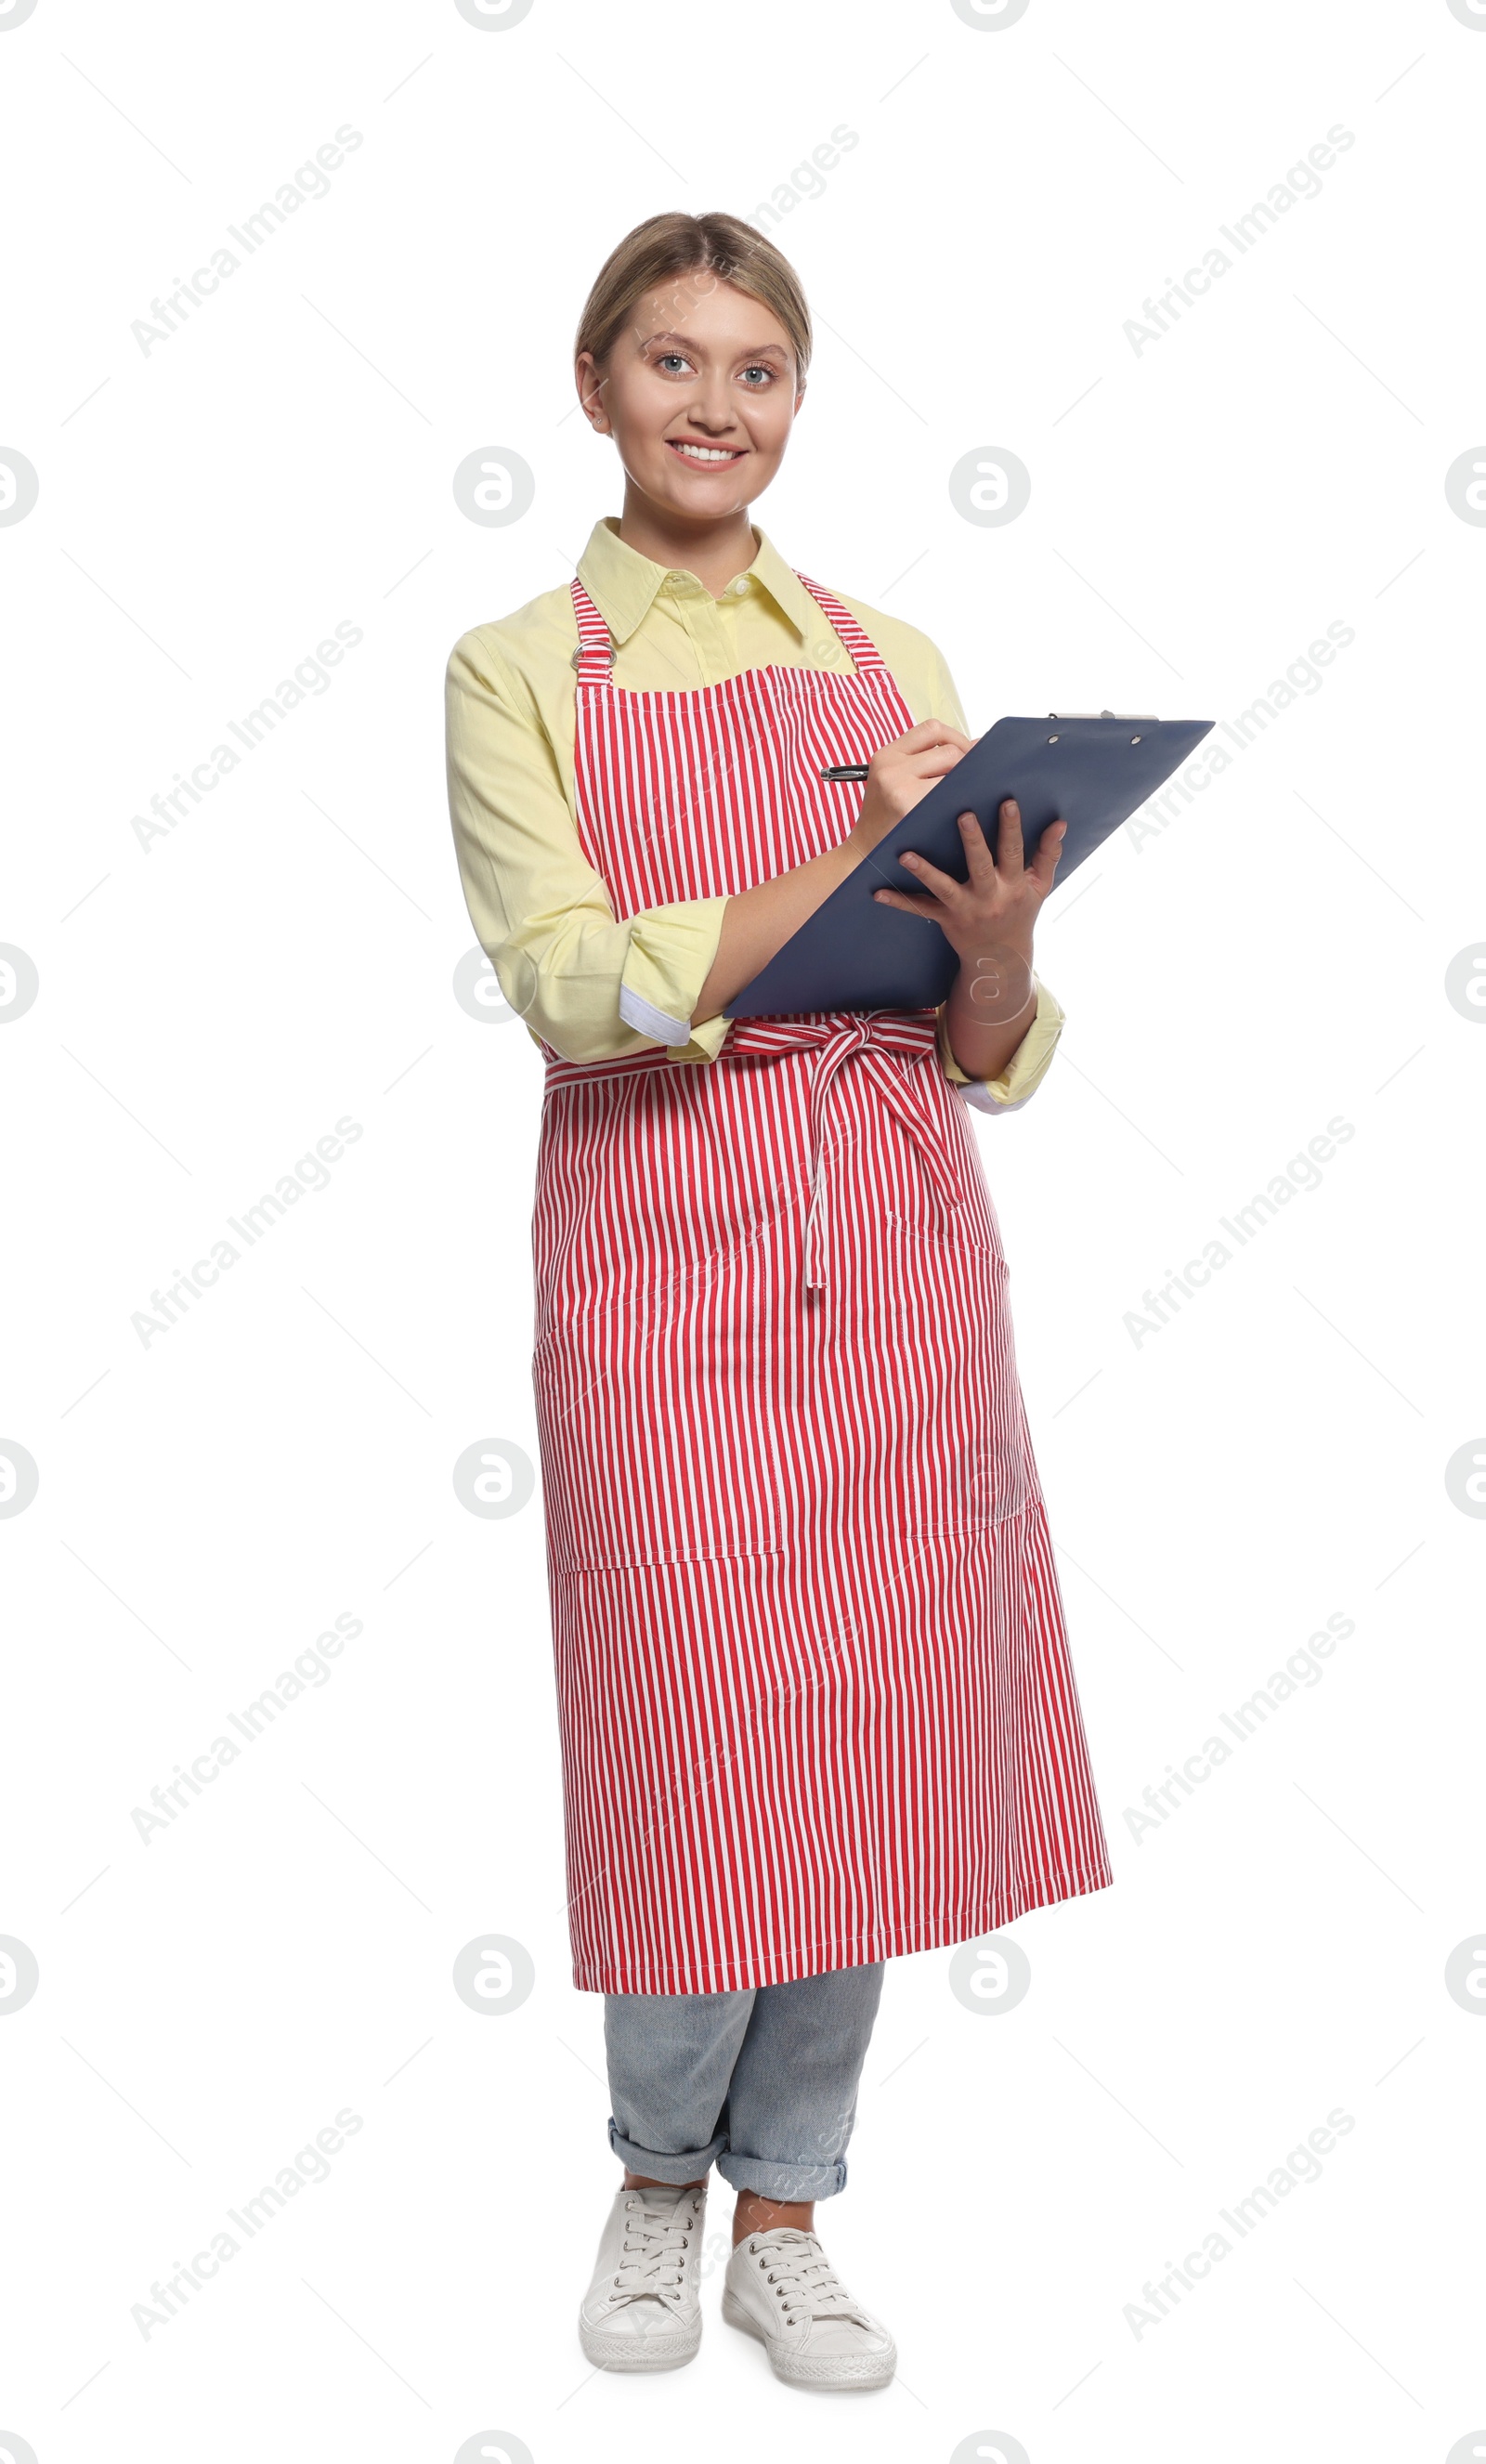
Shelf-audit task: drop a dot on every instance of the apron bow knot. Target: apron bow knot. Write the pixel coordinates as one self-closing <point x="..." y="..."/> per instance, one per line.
<point x="881" y="1042"/>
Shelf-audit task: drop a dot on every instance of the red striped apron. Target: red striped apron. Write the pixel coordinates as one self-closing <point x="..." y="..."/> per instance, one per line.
<point x="815" y="1698"/>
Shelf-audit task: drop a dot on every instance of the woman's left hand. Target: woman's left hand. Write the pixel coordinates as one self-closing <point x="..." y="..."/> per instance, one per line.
<point x="990" y="914"/>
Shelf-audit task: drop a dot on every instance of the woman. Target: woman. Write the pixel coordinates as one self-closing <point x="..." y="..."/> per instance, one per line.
<point x="815" y="1700"/>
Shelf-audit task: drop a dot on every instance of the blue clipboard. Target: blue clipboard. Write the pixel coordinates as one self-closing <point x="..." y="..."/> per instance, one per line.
<point x="853" y="954"/>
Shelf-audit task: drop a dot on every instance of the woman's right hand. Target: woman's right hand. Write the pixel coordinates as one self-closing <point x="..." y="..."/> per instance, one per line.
<point x="900" y="774"/>
<point x="757" y="922"/>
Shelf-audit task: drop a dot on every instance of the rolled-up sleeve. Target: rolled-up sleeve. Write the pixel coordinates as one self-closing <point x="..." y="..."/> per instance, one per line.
<point x="591" y="987"/>
<point x="1026" y="1069"/>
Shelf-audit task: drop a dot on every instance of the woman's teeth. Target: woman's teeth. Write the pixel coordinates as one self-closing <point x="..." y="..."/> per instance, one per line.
<point x="704" y="452"/>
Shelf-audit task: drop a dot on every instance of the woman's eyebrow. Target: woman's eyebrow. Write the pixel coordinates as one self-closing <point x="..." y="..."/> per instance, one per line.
<point x="764" y="350"/>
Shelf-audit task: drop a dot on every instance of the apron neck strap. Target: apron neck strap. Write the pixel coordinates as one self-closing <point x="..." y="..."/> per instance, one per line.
<point x="594" y="657"/>
<point x="865" y="656"/>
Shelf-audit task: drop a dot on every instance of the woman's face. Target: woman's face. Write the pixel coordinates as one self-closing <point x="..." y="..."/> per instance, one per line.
<point x="699" y="395"/>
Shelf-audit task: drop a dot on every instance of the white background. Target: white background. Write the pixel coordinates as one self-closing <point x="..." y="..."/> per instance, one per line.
<point x="208" y="1503"/>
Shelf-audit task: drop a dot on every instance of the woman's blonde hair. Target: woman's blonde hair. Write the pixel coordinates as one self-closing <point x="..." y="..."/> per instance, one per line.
<point x="716" y="245"/>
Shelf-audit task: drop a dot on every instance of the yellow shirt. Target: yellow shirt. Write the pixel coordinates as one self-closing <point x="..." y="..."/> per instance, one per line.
<point x="590" y="986"/>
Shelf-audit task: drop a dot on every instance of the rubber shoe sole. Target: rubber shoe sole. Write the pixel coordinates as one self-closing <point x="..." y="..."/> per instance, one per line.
<point x="847" y="2370"/>
<point x="608" y="2351"/>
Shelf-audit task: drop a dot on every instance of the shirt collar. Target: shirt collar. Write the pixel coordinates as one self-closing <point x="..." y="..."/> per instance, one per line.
<point x="623" y="583"/>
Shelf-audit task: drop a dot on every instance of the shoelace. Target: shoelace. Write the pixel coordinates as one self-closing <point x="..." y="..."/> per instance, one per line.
<point x="651" y="2253"/>
<point x="803" y="2276"/>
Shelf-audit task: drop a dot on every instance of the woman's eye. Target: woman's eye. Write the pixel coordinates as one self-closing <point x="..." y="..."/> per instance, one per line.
<point x="675" y="357"/>
<point x="758" y="372"/>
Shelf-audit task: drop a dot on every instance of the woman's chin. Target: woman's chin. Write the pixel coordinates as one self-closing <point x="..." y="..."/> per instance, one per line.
<point x="708" y="499"/>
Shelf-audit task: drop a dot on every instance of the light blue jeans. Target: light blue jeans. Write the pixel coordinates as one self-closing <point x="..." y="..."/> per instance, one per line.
<point x="762" y="2083"/>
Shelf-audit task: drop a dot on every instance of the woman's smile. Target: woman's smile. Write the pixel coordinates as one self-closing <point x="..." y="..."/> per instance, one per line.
<point x="711" y="457"/>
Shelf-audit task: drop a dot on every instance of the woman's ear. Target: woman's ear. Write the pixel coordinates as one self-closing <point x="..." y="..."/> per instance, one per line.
<point x="590" y="392"/>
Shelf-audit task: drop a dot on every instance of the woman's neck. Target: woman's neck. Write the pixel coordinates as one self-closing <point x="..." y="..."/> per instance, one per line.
<point x="715" y="552"/>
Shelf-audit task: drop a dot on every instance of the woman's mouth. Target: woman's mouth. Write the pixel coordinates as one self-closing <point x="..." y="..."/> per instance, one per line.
<point x="703" y="457"/>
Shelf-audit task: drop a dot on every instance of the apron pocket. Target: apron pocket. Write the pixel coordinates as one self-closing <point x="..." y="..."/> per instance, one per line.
<point x="650" y="1449"/>
<point x="979" y="1240"/>
<point x="972" y="1423"/>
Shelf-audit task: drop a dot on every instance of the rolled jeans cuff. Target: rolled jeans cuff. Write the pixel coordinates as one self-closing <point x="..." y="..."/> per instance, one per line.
<point x="684" y="2168"/>
<point x="781" y="2181"/>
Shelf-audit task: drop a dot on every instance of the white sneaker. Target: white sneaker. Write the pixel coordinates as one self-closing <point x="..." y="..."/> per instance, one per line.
<point x="781" y="2288"/>
<point x="641" y="2312"/>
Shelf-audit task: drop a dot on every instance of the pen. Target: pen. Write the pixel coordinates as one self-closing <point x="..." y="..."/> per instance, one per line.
<point x="845" y="770"/>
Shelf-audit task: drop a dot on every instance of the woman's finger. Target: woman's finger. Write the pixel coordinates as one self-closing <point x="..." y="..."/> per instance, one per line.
<point x="942" y="885"/>
<point x="977" y="850"/>
<point x="934" y="762"/>
<point x="932" y="730"/>
<point x="1009" y="846"/>
<point x="1050" y="845"/>
<point x="910" y="903"/>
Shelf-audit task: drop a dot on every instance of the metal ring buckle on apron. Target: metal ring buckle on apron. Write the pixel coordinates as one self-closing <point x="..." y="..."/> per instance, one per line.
<point x="872" y="1038"/>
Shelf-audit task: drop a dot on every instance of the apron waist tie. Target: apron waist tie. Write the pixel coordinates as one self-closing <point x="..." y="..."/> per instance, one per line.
<point x="873" y="1038"/>
<point x="877" y="1040"/>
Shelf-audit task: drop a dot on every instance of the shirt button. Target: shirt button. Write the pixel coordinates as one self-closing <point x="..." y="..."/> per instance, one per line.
<point x="741" y="584"/>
